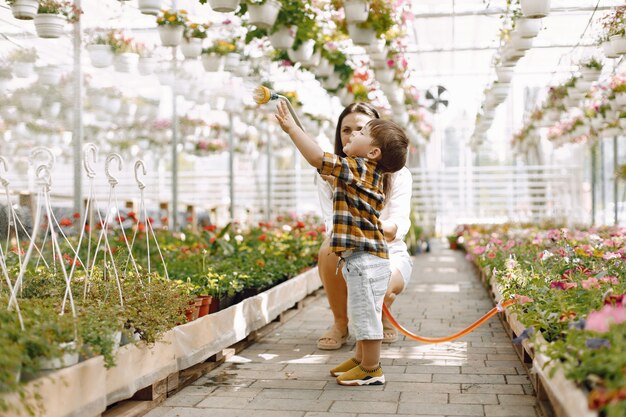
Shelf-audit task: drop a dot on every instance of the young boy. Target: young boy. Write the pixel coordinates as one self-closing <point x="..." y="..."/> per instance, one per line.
<point x="357" y="238"/>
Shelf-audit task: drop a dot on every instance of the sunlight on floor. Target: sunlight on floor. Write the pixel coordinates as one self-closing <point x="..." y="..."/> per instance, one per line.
<point x="309" y="359"/>
<point x="436" y="288"/>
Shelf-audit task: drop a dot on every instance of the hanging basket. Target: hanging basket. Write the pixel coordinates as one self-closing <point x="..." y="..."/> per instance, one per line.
<point x="361" y="36"/>
<point x="191" y="48"/>
<point x="170" y="35"/>
<point x="345" y="97"/>
<point x="146" y="65"/>
<point x="607" y="47"/>
<point x="25" y="9"/>
<point x="356" y="11"/>
<point x="384" y="75"/>
<point x="23" y="69"/>
<point x="31" y="102"/>
<point x="126" y="62"/>
<point x="212" y="62"/>
<point x="590" y="74"/>
<point x="332" y="82"/>
<point x="304" y="52"/>
<point x="50" y="75"/>
<point x="224" y="6"/>
<point x="535" y="9"/>
<point x="619" y="44"/>
<point x="521" y="44"/>
<point x="324" y="68"/>
<point x="231" y="61"/>
<point x="151" y="7"/>
<point x="283" y="38"/>
<point x="49" y="26"/>
<point x="504" y="74"/>
<point x="527" y="28"/>
<point x="264" y="15"/>
<point x="101" y="56"/>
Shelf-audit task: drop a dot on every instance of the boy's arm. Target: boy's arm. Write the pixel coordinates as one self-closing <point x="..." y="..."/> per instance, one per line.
<point x="306" y="145"/>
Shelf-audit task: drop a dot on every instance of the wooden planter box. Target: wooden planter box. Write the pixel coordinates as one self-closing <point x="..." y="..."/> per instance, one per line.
<point x="91" y="387"/>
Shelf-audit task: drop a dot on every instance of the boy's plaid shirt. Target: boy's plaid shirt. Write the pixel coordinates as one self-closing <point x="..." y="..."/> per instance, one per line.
<point x="357" y="202"/>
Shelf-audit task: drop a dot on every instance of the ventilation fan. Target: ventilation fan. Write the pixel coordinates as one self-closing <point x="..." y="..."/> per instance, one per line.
<point x="437" y="98"/>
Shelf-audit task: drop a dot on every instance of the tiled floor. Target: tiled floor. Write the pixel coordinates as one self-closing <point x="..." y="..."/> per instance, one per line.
<point x="285" y="375"/>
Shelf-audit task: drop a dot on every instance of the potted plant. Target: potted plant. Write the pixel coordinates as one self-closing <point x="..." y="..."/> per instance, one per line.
<point x="100" y="50"/>
<point x="535" y="9"/>
<point x="615" y="27"/>
<point x="52" y="16"/>
<point x="194" y="33"/>
<point x="222" y="6"/>
<point x="147" y="62"/>
<point x="50" y="74"/>
<point x="379" y="20"/>
<point x="126" y="56"/>
<point x="170" y="25"/>
<point x="23" y="9"/>
<point x="527" y="27"/>
<point x="591" y="69"/>
<point x="356" y="11"/>
<point x="5" y="75"/>
<point x="261" y="13"/>
<point x="150" y="7"/>
<point x="453" y="241"/>
<point x="213" y="57"/>
<point x="23" y="61"/>
<point x="283" y="37"/>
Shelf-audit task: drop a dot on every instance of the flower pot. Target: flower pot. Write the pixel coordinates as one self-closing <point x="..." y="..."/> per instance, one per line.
<point x="191" y="48"/>
<point x="49" y="26"/>
<point x="332" y="82"/>
<point x="231" y="61"/>
<point x="620" y="99"/>
<point x="31" y="102"/>
<point x="50" y="75"/>
<point x="521" y="44"/>
<point x="264" y="15"/>
<point x="146" y="65"/>
<point x="126" y="62"/>
<point x="504" y="74"/>
<point x="66" y="360"/>
<point x="361" y="36"/>
<point x="622" y="123"/>
<point x="324" y="69"/>
<point x="23" y="69"/>
<point x="283" y="38"/>
<point x="384" y="75"/>
<point x="590" y="74"/>
<point x="619" y="44"/>
<point x="51" y="111"/>
<point x="170" y="35"/>
<point x="25" y="9"/>
<point x="535" y="9"/>
<point x="204" y="306"/>
<point x="303" y="53"/>
<point x="394" y="94"/>
<point x="377" y="47"/>
<point x="151" y="7"/>
<point x="378" y="63"/>
<point x="527" y="28"/>
<point x="212" y="62"/>
<point x="356" y="11"/>
<point x="224" y="6"/>
<point x="607" y="47"/>
<point x="243" y="69"/>
<point x="101" y="56"/>
<point x="345" y="97"/>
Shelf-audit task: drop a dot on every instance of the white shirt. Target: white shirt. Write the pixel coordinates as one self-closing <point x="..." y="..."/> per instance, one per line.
<point x="397" y="209"/>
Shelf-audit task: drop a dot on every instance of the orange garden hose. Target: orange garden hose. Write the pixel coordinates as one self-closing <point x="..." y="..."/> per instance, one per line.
<point x="454" y="336"/>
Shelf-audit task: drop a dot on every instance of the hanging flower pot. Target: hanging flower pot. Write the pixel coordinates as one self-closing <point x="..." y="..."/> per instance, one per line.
<point x="607" y="47"/>
<point x="361" y="36"/>
<point x="25" y="9"/>
<point x="31" y="102"/>
<point x="101" y="56"/>
<point x="51" y="111"/>
<point x="324" y="69"/>
<point x="521" y="44"/>
<point x="535" y="9"/>
<point x="49" y="26"/>
<point x="170" y="35"/>
<point x="224" y="6"/>
<point x="345" y="97"/>
<point x="619" y="44"/>
<point x="356" y="11"/>
<point x="23" y="69"/>
<point x="231" y="61"/>
<point x="303" y="53"/>
<point x="212" y="62"/>
<point x="264" y="15"/>
<point x="50" y="75"/>
<point x="315" y="59"/>
<point x="146" y="65"/>
<point x="151" y="7"/>
<point x="384" y="75"/>
<point x="620" y="99"/>
<point x="504" y="74"/>
<point x="126" y="62"/>
<point x="191" y="48"/>
<point x="243" y="69"/>
<point x="283" y="38"/>
<point x="69" y="358"/>
<point x="332" y="82"/>
<point x="527" y="28"/>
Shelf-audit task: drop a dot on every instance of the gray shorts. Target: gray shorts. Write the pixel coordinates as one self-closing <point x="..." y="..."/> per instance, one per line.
<point x="367" y="278"/>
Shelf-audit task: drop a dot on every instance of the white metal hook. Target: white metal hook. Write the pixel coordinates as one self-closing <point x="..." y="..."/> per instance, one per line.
<point x="5" y="165"/>
<point x="107" y="163"/>
<point x="43" y="175"/>
<point x="40" y="150"/>
<point x="140" y="164"/>
<point x="92" y="149"/>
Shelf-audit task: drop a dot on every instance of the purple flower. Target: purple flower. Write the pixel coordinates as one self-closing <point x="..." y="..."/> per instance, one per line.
<point x="597" y="343"/>
<point x="529" y="331"/>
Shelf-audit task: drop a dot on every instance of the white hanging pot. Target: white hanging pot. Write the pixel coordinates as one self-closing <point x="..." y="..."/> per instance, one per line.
<point x="620" y="99"/>
<point x="324" y="68"/>
<point x="114" y="105"/>
<point x="263" y="15"/>
<point x="170" y="35"/>
<point x="151" y="7"/>
<point x="50" y="75"/>
<point x="504" y="74"/>
<point x="378" y="63"/>
<point x="303" y="53"/>
<point x="66" y="360"/>
<point x="191" y="48"/>
<point x="332" y="82"/>
<point x="590" y="74"/>
<point x="315" y="59"/>
<point x="146" y="65"/>
<point x="23" y="69"/>
<point x="535" y="9"/>
<point x="284" y="37"/>
<point x="212" y="62"/>
<point x="52" y="111"/>
<point x="356" y="11"/>
<point x="345" y="97"/>
<point x="384" y="75"/>
<point x="527" y="28"/>
<point x="607" y="47"/>
<point x="361" y="36"/>
<point x="231" y="61"/>
<point x="377" y="47"/>
<point x="25" y="9"/>
<point x="224" y="6"/>
<point x="101" y="56"/>
<point x="49" y="26"/>
<point x="126" y="62"/>
<point x="31" y="102"/>
<point x="521" y="44"/>
<point x="243" y="69"/>
<point x="619" y="44"/>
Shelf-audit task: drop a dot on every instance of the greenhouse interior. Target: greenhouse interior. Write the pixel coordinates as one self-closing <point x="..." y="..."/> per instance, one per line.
<point x="310" y="208"/>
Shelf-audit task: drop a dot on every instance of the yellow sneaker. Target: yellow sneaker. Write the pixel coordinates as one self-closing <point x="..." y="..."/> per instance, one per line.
<point x="344" y="367"/>
<point x="359" y="376"/>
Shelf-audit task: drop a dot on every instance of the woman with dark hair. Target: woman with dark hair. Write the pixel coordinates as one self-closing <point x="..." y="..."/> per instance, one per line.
<point x="395" y="222"/>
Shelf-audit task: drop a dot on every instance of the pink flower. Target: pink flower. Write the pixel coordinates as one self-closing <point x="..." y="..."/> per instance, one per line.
<point x="610" y="255"/>
<point x="554" y="234"/>
<point x="599" y="321"/>
<point x="509" y="245"/>
<point x="491" y="255"/>
<point x="522" y="299"/>
<point x="610" y="279"/>
<point x="590" y="283"/>
<point x="479" y="250"/>
<point x="562" y="285"/>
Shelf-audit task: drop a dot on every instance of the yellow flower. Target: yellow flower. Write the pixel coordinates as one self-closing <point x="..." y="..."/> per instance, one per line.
<point x="171" y="18"/>
<point x="194" y="25"/>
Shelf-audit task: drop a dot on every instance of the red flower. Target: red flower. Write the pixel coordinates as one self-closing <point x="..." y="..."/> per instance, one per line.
<point x="189" y="219"/>
<point x="65" y="222"/>
<point x="164" y="219"/>
<point x="299" y="225"/>
<point x="150" y="220"/>
<point x="132" y="215"/>
<point x="311" y="233"/>
<point x="562" y="285"/>
<point x="76" y="215"/>
<point x="14" y="250"/>
<point x="210" y="228"/>
<point x="141" y="227"/>
<point x="263" y="237"/>
<point x="212" y="239"/>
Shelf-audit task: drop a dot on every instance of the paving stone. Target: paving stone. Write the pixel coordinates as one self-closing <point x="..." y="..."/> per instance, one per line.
<point x="469" y="378"/>
<point x="305" y="394"/>
<point x="182" y="400"/>
<point x="510" y="411"/>
<point x="473" y="399"/>
<point x="202" y="412"/>
<point x="506" y="399"/>
<point x="289" y="404"/>
<point x="423" y="397"/>
<point x="491" y="389"/>
<point x="442" y="409"/>
<point x="224" y="402"/>
<point x="364" y="407"/>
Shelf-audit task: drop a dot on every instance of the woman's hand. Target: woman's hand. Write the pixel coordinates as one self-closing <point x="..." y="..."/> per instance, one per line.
<point x="389" y="230"/>
<point x="285" y="120"/>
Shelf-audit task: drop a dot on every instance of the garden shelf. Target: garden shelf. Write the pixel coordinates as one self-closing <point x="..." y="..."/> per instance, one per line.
<point x="561" y="396"/>
<point x="140" y="366"/>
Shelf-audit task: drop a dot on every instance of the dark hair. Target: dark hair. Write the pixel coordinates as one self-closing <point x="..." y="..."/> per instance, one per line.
<point x="363" y="108"/>
<point x="392" y="141"/>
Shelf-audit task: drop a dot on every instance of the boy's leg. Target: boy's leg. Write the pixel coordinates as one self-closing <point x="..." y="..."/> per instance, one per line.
<point x="337" y="294"/>
<point x="370" y="351"/>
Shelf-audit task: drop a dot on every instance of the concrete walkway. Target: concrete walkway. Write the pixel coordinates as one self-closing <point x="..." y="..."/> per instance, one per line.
<point x="285" y="375"/>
